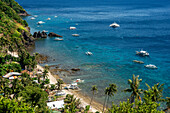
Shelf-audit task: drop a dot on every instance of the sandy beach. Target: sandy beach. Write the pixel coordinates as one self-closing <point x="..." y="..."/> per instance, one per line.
<point x="85" y="100"/>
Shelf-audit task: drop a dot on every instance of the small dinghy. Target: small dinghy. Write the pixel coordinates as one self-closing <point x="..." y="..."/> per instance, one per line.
<point x="58" y="39"/>
<point x="114" y="25"/>
<point x="76" y="35"/>
<point x="72" y="28"/>
<point x="151" y="66"/>
<point x="89" y="53"/>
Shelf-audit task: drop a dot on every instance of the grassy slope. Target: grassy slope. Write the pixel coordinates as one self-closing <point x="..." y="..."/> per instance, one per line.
<point x="11" y="24"/>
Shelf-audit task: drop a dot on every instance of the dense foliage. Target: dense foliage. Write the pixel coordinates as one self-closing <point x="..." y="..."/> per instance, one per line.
<point x="14" y="5"/>
<point x="13" y="106"/>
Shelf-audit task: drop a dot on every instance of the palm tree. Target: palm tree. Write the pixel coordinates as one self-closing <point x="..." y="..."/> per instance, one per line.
<point x="155" y="92"/>
<point x="72" y="103"/>
<point x="106" y="93"/>
<point x="112" y="90"/>
<point x="59" y="83"/>
<point x="134" y="88"/>
<point x="45" y="72"/>
<point x="93" y="89"/>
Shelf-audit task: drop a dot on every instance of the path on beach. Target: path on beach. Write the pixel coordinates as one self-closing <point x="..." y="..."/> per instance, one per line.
<point x="50" y="76"/>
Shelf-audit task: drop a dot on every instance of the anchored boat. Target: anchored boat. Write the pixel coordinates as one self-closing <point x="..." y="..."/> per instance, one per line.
<point x="142" y="53"/>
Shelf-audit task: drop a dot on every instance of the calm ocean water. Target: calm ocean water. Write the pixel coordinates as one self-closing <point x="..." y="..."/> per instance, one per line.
<point x="143" y="25"/>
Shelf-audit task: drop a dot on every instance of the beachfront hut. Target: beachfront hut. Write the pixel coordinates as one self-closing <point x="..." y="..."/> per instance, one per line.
<point x="56" y="104"/>
<point x="12" y="74"/>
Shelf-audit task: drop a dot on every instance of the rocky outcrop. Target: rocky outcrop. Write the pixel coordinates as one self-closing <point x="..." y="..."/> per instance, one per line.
<point x="43" y="35"/>
<point x="75" y="69"/>
<point x="40" y="34"/>
<point x="51" y="34"/>
<point x="23" y="13"/>
<point x="29" y="39"/>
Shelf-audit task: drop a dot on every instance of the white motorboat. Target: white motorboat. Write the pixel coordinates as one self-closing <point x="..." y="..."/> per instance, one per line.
<point x="35" y="16"/>
<point x="114" y="25"/>
<point x="151" y="66"/>
<point x="142" y="53"/>
<point x="55" y="16"/>
<point x="58" y="39"/>
<point x="72" y="28"/>
<point x="32" y="18"/>
<point x="89" y="53"/>
<point x="45" y="31"/>
<point x="75" y="35"/>
<point x="40" y="22"/>
<point x="48" y="18"/>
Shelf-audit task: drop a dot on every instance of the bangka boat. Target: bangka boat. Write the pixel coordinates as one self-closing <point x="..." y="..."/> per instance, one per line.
<point x="114" y="25"/>
<point x="78" y="81"/>
<point x="89" y="53"/>
<point x="75" y="35"/>
<point x="151" y="66"/>
<point x="140" y="62"/>
<point x="142" y="53"/>
<point x="40" y="22"/>
<point x="72" y="86"/>
<point x="72" y="28"/>
<point x="58" y="39"/>
<point x="32" y="18"/>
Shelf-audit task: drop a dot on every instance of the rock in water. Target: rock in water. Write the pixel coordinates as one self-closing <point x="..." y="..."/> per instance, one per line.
<point x="35" y="35"/>
<point x="75" y="69"/>
<point x="43" y="35"/>
<point x="40" y="35"/>
<point x="51" y="34"/>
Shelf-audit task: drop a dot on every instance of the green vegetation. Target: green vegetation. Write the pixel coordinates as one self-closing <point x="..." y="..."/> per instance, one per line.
<point x="14" y="5"/>
<point x="109" y="91"/>
<point x="13" y="106"/>
<point x="72" y="104"/>
<point x="36" y="97"/>
<point x="127" y="107"/>
<point x="134" y="88"/>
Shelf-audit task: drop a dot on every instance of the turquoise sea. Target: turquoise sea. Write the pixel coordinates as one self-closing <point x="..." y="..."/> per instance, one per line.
<point x="143" y="25"/>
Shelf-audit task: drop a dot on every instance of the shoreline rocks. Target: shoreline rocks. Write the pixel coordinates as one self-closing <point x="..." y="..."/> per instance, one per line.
<point x="75" y="69"/>
<point x="51" y="34"/>
<point x="23" y="13"/>
<point x="29" y="40"/>
<point x="40" y="34"/>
